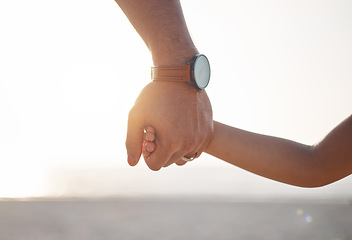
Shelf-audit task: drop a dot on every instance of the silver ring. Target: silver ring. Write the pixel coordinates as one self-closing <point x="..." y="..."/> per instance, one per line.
<point x="186" y="159"/>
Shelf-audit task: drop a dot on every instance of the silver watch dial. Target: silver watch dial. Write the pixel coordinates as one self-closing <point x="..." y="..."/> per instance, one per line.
<point x="201" y="71"/>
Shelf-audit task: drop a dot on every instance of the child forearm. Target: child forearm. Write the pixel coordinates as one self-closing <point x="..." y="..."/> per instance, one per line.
<point x="279" y="159"/>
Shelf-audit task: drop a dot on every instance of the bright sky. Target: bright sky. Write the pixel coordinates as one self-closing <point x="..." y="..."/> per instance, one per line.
<point x="71" y="70"/>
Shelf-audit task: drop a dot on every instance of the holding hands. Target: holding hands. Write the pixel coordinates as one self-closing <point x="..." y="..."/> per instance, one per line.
<point x="180" y="114"/>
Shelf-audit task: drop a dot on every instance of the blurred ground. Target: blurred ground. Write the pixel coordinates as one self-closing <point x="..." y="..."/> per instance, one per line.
<point x="133" y="218"/>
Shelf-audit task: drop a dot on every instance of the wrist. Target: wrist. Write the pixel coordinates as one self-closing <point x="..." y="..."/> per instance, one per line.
<point x="195" y="72"/>
<point x="173" y="56"/>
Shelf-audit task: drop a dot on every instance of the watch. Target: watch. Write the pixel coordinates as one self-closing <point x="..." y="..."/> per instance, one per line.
<point x="196" y="72"/>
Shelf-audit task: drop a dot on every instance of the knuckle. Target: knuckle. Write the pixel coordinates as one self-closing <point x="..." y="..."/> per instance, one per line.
<point x="190" y="144"/>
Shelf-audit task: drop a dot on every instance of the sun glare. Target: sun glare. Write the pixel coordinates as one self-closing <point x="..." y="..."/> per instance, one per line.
<point x="22" y="182"/>
<point x="67" y="83"/>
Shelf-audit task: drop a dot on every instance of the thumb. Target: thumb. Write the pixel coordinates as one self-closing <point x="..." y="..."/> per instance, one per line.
<point x="134" y="141"/>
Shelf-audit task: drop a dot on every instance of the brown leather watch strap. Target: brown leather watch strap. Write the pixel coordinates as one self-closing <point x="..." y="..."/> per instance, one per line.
<point x="179" y="73"/>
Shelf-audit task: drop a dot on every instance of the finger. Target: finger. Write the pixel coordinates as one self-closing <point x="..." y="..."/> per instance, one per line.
<point x="177" y="157"/>
<point x="149" y="137"/>
<point x="134" y="141"/>
<point x="180" y="162"/>
<point x="145" y="154"/>
<point x="173" y="159"/>
<point x="149" y="129"/>
<point x="150" y="147"/>
<point x="158" y="158"/>
<point x="168" y="164"/>
<point x="189" y="157"/>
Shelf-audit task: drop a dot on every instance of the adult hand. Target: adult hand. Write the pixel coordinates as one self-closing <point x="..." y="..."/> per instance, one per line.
<point x="181" y="117"/>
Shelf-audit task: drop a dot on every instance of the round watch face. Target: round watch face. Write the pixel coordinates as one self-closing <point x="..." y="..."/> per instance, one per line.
<point x="201" y="71"/>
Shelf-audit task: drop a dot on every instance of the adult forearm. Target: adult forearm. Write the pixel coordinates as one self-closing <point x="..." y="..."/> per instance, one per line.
<point x="161" y="25"/>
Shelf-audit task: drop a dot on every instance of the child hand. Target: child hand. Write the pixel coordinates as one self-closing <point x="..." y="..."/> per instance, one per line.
<point x="148" y="142"/>
<point x="149" y="139"/>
